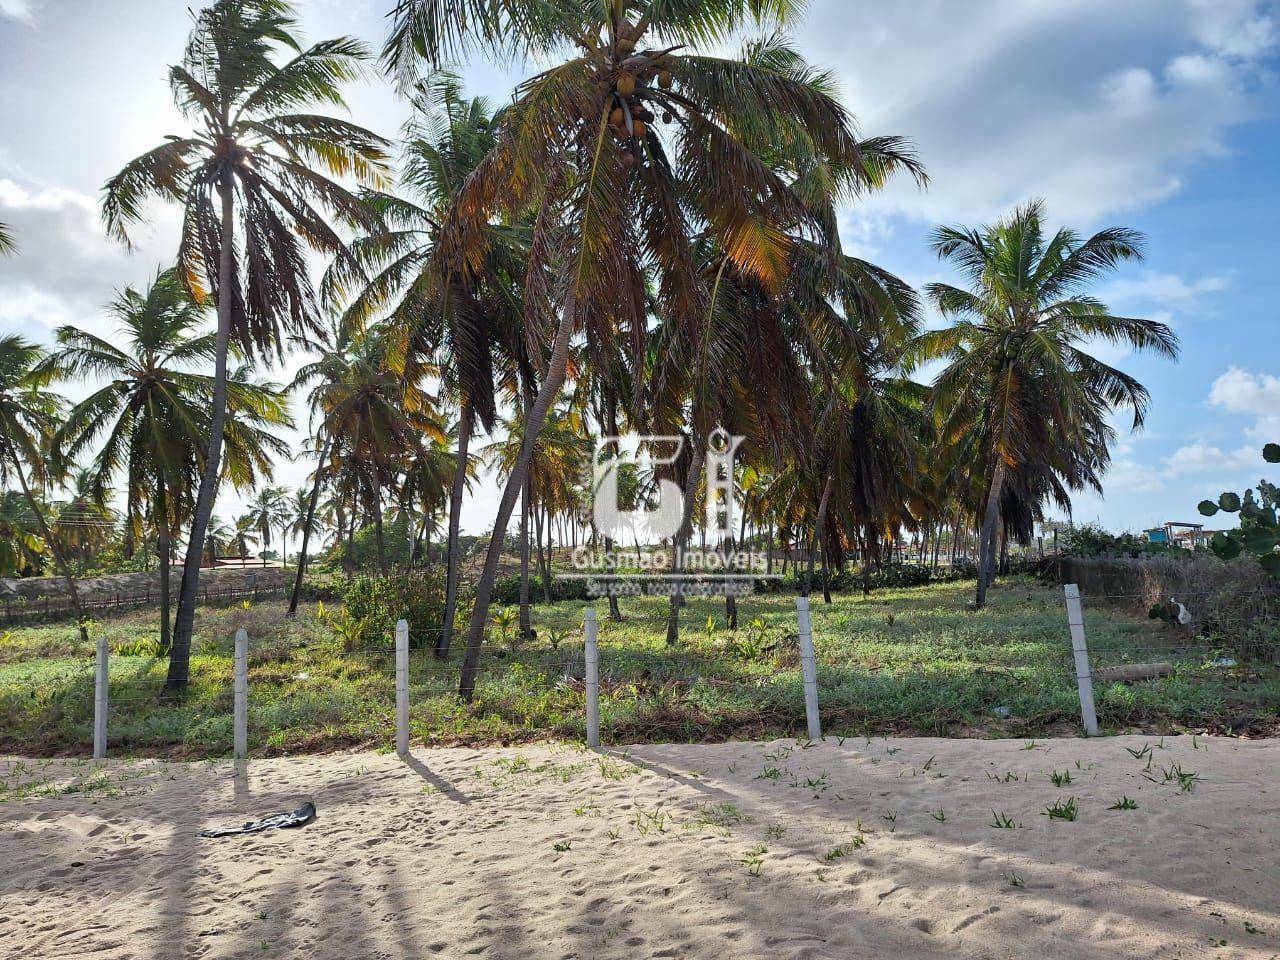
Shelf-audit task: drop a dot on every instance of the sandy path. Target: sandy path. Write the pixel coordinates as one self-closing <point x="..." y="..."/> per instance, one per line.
<point x="455" y="854"/>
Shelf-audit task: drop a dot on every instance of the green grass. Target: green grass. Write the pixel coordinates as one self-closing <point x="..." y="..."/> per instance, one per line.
<point x="902" y="661"/>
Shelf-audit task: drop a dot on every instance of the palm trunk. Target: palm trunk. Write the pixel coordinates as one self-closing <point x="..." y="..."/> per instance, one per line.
<point x="180" y="655"/>
<point x="453" y="550"/>
<point x="819" y="523"/>
<point x="826" y="574"/>
<point x="59" y="559"/>
<point x="526" y="629"/>
<point x="546" y="557"/>
<point x="306" y="527"/>
<point x="987" y="540"/>
<point x="376" y="491"/>
<point x="678" y="542"/>
<point x="547" y="394"/>
<point x="162" y="535"/>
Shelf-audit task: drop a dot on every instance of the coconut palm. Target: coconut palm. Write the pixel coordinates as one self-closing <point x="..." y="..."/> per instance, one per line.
<point x="244" y="535"/>
<point x="372" y="417"/>
<point x="153" y="413"/>
<point x="1021" y="394"/>
<point x="21" y="547"/>
<point x="624" y="153"/>
<point x="7" y="244"/>
<point x="258" y="167"/>
<point x="84" y="526"/>
<point x="465" y="320"/>
<point x="29" y="414"/>
<point x="270" y="511"/>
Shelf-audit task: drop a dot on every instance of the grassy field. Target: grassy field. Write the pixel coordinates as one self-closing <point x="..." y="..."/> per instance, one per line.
<point x="901" y="661"/>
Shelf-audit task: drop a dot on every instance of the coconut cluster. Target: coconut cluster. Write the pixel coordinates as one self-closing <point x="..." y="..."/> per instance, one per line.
<point x="629" y="118"/>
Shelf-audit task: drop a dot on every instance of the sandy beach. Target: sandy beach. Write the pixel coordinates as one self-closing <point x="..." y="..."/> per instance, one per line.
<point x="880" y="848"/>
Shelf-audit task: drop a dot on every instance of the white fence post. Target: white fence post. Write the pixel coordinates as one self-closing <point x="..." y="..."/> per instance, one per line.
<point x="402" y="687"/>
<point x="100" y="681"/>
<point x="808" y="669"/>
<point x="240" y="723"/>
<point x="1084" y="674"/>
<point x="591" y="653"/>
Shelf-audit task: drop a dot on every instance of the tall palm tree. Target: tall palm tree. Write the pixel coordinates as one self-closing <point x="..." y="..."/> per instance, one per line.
<point x="255" y="166"/>
<point x="222" y="535"/>
<point x="153" y="413"/>
<point x="624" y="153"/>
<point x="1021" y="393"/>
<point x="464" y="320"/>
<point x="7" y="244"/>
<point x="245" y="535"/>
<point x="84" y="526"/>
<point x="29" y="414"/>
<point x="270" y="510"/>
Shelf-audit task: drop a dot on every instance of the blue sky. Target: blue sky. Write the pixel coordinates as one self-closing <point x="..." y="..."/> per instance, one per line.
<point x="1155" y="114"/>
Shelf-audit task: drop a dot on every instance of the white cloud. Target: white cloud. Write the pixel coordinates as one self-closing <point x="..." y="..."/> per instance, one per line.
<point x="1098" y="107"/>
<point x="1255" y="395"/>
<point x="66" y="268"/>
<point x="1129" y="475"/>
<point x="1200" y="457"/>
<point x="1167" y="289"/>
<point x="21" y="10"/>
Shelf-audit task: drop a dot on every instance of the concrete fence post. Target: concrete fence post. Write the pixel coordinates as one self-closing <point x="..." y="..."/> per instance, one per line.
<point x="100" y="681"/>
<point x="402" y="687"/>
<point x="240" y="736"/>
<point x="808" y="668"/>
<point x="1084" y="673"/>
<point x="591" y="653"/>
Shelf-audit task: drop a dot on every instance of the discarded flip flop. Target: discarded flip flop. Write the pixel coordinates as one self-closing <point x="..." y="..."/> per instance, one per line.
<point x="280" y="821"/>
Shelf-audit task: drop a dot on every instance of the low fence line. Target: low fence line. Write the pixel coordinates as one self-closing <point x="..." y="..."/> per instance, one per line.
<point x="49" y="608"/>
<point x="1095" y="663"/>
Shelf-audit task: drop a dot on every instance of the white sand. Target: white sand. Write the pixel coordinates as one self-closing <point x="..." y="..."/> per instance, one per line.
<point x="455" y="854"/>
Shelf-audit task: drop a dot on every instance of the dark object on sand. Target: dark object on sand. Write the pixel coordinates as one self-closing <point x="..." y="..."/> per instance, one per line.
<point x="281" y="821"/>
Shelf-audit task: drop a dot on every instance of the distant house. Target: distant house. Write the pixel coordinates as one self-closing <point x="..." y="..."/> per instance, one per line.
<point x="1174" y="533"/>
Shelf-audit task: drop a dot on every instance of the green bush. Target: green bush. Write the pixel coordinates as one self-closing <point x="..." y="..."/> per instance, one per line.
<point x="507" y="590"/>
<point x="372" y="605"/>
<point x="901" y="575"/>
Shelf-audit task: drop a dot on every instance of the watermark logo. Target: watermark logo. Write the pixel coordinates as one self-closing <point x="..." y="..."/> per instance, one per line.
<point x="636" y="500"/>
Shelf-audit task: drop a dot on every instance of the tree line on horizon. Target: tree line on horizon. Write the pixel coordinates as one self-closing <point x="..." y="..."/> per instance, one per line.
<point x="644" y="239"/>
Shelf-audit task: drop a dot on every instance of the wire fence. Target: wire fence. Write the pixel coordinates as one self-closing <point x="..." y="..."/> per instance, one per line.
<point x="1210" y="657"/>
<point x="1193" y="659"/>
<point x="50" y="608"/>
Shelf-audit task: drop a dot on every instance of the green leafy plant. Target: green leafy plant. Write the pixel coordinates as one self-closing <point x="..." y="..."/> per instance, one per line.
<point x="1062" y="811"/>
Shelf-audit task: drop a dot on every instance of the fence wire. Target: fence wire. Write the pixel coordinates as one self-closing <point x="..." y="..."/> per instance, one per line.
<point x="1207" y="658"/>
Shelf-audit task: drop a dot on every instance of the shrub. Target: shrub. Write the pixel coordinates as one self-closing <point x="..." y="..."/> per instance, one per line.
<point x="372" y="605"/>
<point x="507" y="590"/>
<point x="901" y="575"/>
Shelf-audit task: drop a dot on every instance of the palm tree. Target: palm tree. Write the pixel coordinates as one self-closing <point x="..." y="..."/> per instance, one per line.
<point x="153" y="413"/>
<point x="7" y="244"/>
<point x="29" y="414"/>
<point x="21" y="547"/>
<point x="1021" y="394"/>
<point x="270" y="510"/>
<point x="616" y="195"/>
<point x="370" y="418"/>
<point x="84" y="526"/>
<point x="256" y="166"/>
<point x="244" y="535"/>
<point x="221" y="536"/>
<point x="466" y="321"/>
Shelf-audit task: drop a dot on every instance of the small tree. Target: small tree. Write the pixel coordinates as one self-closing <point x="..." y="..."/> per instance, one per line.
<point x="1259" y="531"/>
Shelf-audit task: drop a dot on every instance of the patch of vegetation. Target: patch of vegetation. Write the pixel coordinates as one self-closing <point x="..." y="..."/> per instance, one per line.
<point x="938" y="670"/>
